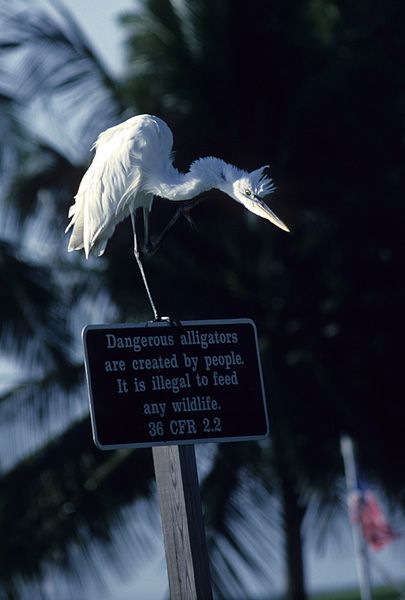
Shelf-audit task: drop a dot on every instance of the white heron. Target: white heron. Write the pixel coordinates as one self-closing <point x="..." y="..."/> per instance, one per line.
<point x="132" y="164"/>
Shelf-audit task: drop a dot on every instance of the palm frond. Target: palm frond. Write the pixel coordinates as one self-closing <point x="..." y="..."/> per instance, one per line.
<point x="43" y="179"/>
<point x="162" y="52"/>
<point x="326" y="504"/>
<point x="32" y="306"/>
<point x="59" y="514"/>
<point x="242" y="520"/>
<point x="55" y="65"/>
<point x="44" y="311"/>
<point x="14" y="141"/>
<point x="36" y="410"/>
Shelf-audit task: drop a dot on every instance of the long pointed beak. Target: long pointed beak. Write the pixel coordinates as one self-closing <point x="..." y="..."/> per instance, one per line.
<point x="260" y="208"/>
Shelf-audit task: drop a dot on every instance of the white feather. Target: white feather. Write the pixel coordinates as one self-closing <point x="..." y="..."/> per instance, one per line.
<point x="132" y="164"/>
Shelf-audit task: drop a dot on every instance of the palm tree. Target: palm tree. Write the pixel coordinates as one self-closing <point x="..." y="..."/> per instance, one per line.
<point x="297" y="290"/>
<point x="58" y="464"/>
<point x="45" y="443"/>
<point x="246" y="82"/>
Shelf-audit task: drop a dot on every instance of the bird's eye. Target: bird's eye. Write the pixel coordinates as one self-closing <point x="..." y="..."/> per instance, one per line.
<point x="248" y="192"/>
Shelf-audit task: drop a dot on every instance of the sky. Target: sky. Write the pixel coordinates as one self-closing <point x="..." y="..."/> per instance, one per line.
<point x="335" y="565"/>
<point x="99" y="19"/>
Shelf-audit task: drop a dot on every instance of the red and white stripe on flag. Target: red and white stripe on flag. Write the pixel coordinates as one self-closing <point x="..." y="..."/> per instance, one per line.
<point x="364" y="510"/>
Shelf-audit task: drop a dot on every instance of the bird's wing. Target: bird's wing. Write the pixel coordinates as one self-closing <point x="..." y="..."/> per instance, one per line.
<point x="95" y="214"/>
<point x="127" y="157"/>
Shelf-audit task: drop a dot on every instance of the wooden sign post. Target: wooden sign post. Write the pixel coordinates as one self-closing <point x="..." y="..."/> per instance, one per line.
<point x="169" y="387"/>
<point x="182" y="522"/>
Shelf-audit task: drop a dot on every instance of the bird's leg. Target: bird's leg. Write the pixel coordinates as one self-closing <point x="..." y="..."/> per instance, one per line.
<point x="151" y="247"/>
<point x="138" y="257"/>
<point x="147" y="242"/>
<point x="183" y="210"/>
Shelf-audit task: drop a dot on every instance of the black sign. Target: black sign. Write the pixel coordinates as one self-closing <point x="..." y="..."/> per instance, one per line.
<point x="186" y="383"/>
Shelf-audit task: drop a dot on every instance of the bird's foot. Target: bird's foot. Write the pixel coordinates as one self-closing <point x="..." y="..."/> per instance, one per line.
<point x="173" y="321"/>
<point x="185" y="211"/>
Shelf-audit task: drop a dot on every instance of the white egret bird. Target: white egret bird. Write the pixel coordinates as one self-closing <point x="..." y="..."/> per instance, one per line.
<point x="132" y="164"/>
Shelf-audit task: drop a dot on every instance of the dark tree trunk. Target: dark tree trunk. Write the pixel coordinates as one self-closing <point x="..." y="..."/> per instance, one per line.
<point x="293" y="514"/>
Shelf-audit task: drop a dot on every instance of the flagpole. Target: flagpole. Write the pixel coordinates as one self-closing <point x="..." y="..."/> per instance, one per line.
<point x="360" y="548"/>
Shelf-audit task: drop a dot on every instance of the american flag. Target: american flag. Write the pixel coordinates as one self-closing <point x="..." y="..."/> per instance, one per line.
<point x="365" y="510"/>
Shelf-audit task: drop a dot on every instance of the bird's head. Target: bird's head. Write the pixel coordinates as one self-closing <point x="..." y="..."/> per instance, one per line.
<point x="249" y="189"/>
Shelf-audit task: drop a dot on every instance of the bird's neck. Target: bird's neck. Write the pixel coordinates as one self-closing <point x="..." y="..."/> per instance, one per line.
<point x="204" y="174"/>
